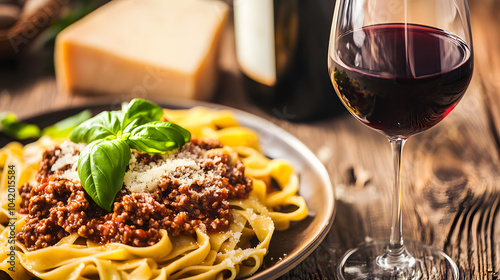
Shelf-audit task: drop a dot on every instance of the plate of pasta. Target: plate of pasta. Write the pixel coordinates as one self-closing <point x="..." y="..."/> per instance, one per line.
<point x="224" y="195"/>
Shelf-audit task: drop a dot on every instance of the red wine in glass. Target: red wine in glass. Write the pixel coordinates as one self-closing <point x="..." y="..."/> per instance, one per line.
<point x="400" y="78"/>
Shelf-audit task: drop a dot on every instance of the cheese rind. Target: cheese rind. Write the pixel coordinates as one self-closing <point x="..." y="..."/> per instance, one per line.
<point x="143" y="48"/>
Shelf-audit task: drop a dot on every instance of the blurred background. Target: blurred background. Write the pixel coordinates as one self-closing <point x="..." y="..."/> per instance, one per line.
<point x="297" y="87"/>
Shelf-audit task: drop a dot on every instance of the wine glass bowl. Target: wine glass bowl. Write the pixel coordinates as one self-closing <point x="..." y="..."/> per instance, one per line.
<point x="400" y="78"/>
<point x="399" y="67"/>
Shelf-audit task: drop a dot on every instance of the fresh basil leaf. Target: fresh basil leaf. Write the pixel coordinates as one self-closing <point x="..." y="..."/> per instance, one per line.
<point x="11" y="126"/>
<point x="158" y="137"/>
<point x="64" y="127"/>
<point x="139" y="112"/>
<point x="184" y="132"/>
<point x="101" y="126"/>
<point x="101" y="168"/>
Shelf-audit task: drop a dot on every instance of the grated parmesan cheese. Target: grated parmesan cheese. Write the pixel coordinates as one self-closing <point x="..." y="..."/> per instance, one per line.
<point x="68" y="155"/>
<point x="252" y="216"/>
<point x="235" y="236"/>
<point x="184" y="168"/>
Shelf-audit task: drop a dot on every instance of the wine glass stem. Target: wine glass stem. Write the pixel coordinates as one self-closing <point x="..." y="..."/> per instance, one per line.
<point x="396" y="238"/>
<point x="397" y="260"/>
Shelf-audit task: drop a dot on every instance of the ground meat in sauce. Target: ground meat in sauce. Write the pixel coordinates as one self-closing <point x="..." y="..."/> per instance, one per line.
<point x="57" y="207"/>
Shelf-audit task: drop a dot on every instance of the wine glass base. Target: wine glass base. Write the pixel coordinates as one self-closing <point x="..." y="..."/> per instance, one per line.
<point x="425" y="262"/>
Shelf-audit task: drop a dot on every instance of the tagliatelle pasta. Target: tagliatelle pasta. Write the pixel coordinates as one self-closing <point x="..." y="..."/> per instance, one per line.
<point x="235" y="253"/>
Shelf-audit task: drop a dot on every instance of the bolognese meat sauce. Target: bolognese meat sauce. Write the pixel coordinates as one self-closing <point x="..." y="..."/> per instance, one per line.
<point x="192" y="192"/>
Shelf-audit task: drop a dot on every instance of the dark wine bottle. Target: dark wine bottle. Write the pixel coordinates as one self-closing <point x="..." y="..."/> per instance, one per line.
<point x="282" y="48"/>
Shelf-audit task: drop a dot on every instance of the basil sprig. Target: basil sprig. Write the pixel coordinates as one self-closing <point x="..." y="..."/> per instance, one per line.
<point x="111" y="135"/>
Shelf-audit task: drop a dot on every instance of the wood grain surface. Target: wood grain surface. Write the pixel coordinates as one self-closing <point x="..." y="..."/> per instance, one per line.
<point x="450" y="173"/>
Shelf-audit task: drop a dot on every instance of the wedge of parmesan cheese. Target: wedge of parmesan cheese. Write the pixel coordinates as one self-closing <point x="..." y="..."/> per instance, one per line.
<point x="143" y="48"/>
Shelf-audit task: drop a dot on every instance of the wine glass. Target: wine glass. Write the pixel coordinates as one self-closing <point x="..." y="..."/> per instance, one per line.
<point x="400" y="67"/>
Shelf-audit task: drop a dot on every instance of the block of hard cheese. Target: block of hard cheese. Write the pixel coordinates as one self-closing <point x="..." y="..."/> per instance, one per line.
<point x="143" y="48"/>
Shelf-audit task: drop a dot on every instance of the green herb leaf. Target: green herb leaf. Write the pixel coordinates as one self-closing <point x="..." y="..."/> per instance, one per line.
<point x="101" y="168"/>
<point x="64" y="127"/>
<point x="16" y="129"/>
<point x="139" y="112"/>
<point x="158" y="137"/>
<point x="102" y="164"/>
<point x="103" y="125"/>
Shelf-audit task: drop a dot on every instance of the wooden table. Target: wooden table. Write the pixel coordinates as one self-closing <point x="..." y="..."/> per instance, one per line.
<point x="451" y="173"/>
